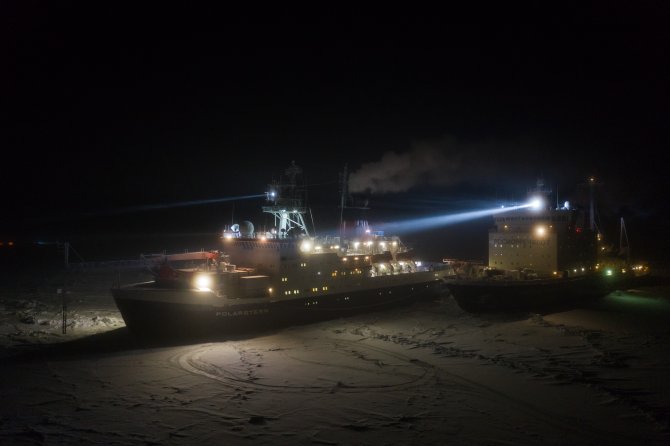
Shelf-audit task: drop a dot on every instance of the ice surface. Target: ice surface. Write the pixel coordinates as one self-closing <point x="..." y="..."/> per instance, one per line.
<point x="425" y="374"/>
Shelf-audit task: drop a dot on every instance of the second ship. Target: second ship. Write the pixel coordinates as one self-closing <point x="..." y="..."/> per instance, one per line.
<point x="541" y="257"/>
<point x="283" y="276"/>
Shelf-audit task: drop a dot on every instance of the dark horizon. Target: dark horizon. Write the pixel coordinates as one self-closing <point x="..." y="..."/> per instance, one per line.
<point x="103" y="117"/>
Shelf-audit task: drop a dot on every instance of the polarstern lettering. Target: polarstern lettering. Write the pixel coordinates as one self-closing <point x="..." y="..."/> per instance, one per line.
<point x="242" y="313"/>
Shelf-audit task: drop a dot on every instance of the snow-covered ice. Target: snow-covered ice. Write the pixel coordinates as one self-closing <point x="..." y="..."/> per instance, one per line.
<point x="425" y="374"/>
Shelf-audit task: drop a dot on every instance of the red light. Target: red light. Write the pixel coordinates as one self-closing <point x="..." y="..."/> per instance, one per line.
<point x="578" y="230"/>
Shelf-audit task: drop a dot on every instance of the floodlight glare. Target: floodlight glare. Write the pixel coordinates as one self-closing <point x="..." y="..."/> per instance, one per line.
<point x="203" y="282"/>
<point x="306" y="246"/>
<point x="535" y="203"/>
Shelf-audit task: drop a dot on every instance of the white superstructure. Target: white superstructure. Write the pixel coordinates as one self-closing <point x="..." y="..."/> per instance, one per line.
<point x="547" y="241"/>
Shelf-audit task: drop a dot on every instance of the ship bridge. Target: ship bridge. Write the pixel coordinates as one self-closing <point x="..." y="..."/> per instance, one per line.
<point x="548" y="241"/>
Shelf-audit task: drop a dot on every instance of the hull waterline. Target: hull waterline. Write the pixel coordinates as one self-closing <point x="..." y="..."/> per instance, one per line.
<point x="487" y="296"/>
<point x="174" y="316"/>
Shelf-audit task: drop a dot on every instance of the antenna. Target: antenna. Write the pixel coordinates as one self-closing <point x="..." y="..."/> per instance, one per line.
<point x="345" y="197"/>
<point x="592" y="207"/>
<point x="624" y="235"/>
<point x="592" y="214"/>
<point x="344" y="190"/>
<point x="592" y="183"/>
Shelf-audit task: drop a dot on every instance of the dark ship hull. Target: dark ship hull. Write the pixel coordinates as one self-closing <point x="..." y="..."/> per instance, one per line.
<point x="181" y="313"/>
<point x="534" y="294"/>
<point x="284" y="276"/>
<point x="542" y="257"/>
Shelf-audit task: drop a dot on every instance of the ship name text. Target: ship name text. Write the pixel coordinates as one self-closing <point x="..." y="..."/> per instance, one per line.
<point x="242" y="313"/>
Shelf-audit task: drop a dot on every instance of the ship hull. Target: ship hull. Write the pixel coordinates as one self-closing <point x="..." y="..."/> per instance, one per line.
<point x="489" y="295"/>
<point x="148" y="310"/>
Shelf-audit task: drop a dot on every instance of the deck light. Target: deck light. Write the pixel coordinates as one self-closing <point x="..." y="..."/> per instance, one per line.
<point x="306" y="246"/>
<point x="203" y="282"/>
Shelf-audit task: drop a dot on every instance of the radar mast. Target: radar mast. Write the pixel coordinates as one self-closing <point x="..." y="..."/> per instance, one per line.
<point x="287" y="204"/>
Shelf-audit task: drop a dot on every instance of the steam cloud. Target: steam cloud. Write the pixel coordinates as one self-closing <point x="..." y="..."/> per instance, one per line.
<point x="426" y="163"/>
<point x="449" y="161"/>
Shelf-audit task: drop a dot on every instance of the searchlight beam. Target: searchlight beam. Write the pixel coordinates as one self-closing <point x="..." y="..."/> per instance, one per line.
<point x="155" y="207"/>
<point x="419" y="224"/>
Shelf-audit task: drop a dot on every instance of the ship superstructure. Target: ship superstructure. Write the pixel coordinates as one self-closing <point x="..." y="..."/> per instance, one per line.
<point x="548" y="241"/>
<point x="285" y="274"/>
<point x="540" y="256"/>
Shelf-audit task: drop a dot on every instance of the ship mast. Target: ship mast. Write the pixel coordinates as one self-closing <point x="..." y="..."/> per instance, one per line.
<point x="345" y="198"/>
<point x="592" y="219"/>
<point x="624" y="248"/>
<point x="344" y="189"/>
<point x="287" y="205"/>
<point x="540" y="190"/>
<point x="592" y="183"/>
<point x="592" y="208"/>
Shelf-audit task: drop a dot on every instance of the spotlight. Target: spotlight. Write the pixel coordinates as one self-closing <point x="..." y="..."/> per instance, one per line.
<point x="536" y="203"/>
<point x="306" y="246"/>
<point x="203" y="282"/>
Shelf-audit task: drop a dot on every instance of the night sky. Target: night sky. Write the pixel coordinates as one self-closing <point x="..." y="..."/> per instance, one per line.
<point x="104" y="111"/>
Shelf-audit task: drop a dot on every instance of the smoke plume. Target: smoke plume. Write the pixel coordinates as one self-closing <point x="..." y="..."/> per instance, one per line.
<point x="450" y="161"/>
<point x="427" y="163"/>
